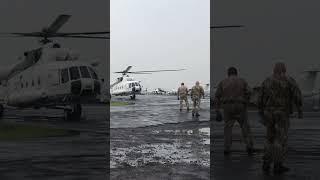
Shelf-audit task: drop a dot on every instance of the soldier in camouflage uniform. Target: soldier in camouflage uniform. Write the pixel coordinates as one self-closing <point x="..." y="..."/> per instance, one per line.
<point x="232" y="96"/>
<point x="277" y="96"/>
<point x="183" y="96"/>
<point x="196" y="93"/>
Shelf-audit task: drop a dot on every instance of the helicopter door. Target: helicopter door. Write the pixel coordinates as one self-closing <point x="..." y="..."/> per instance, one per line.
<point x="53" y="77"/>
<point x="53" y="81"/>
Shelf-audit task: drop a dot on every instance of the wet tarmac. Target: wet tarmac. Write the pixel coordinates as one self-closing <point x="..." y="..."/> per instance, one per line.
<point x="303" y="158"/>
<point x="80" y="156"/>
<point x="153" y="140"/>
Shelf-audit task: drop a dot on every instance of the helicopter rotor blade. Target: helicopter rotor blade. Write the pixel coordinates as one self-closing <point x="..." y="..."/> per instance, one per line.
<point x="19" y="34"/>
<point x="128" y="69"/>
<point x="82" y="33"/>
<point x="124" y="71"/>
<point x="52" y="32"/>
<point x="226" y="26"/>
<point x="166" y="70"/>
<point x="138" y="73"/>
<point x="58" y="23"/>
<point x="85" y="37"/>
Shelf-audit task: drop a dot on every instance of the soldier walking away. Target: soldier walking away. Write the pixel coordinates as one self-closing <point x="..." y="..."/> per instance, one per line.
<point x="183" y="96"/>
<point x="233" y="96"/>
<point x="276" y="99"/>
<point x="196" y="93"/>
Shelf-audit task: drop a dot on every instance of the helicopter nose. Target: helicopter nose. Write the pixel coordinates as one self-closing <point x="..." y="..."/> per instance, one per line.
<point x="136" y="89"/>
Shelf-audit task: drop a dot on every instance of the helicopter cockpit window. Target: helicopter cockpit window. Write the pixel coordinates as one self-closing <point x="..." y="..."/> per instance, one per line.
<point x="93" y="73"/>
<point x="74" y="73"/>
<point x="84" y="72"/>
<point x="64" y="76"/>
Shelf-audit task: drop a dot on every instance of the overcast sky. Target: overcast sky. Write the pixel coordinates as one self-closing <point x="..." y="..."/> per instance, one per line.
<point x="161" y="34"/>
<point x="33" y="15"/>
<point x="287" y="29"/>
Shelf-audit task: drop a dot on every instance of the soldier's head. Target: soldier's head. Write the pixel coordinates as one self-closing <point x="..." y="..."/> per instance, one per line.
<point x="232" y="71"/>
<point x="197" y="83"/>
<point x="182" y="84"/>
<point x="279" y="69"/>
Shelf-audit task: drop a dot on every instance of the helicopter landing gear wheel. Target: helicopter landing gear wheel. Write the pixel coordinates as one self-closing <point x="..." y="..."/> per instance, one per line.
<point x="133" y="97"/>
<point x="74" y="114"/>
<point x="1" y="110"/>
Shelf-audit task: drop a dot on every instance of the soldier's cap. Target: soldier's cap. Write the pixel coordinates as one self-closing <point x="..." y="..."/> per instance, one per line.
<point x="182" y="83"/>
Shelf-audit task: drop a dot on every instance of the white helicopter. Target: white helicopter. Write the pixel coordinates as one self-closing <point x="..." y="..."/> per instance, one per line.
<point x="50" y="76"/>
<point x="128" y="86"/>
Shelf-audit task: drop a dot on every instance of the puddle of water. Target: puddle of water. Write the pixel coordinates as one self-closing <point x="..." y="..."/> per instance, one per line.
<point x="205" y="131"/>
<point x="158" y="153"/>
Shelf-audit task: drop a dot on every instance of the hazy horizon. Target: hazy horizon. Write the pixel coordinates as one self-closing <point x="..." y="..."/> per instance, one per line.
<point x="166" y="34"/>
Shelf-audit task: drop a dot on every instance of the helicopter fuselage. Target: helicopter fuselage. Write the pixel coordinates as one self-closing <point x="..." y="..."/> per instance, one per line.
<point x="125" y="86"/>
<point x="53" y="84"/>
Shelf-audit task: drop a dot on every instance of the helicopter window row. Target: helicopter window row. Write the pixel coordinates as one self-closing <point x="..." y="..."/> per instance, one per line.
<point x="133" y="84"/>
<point x="74" y="73"/>
<point x="93" y="73"/>
<point x="119" y="87"/>
<point x="26" y="84"/>
<point x="85" y="72"/>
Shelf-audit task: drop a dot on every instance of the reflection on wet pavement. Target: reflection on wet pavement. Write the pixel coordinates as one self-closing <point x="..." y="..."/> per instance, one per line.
<point x="153" y="132"/>
<point x="303" y="148"/>
<point x="153" y="110"/>
<point x="70" y="157"/>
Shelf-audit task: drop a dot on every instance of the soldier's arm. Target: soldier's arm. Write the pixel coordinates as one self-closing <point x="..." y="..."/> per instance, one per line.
<point x="246" y="92"/>
<point x="261" y="97"/>
<point x="202" y="91"/>
<point x="218" y="95"/>
<point x="296" y="95"/>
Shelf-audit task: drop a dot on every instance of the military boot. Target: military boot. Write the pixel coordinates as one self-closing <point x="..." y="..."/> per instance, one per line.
<point x="279" y="168"/>
<point x="197" y="114"/>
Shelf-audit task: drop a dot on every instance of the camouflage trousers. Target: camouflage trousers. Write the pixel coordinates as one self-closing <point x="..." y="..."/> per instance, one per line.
<point x="276" y="145"/>
<point x="232" y="113"/>
<point x="185" y="99"/>
<point x="196" y="105"/>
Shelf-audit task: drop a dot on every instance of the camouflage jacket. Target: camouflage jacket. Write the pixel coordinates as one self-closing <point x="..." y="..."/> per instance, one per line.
<point x="280" y="94"/>
<point x="197" y="92"/>
<point x="231" y="90"/>
<point x="182" y="91"/>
